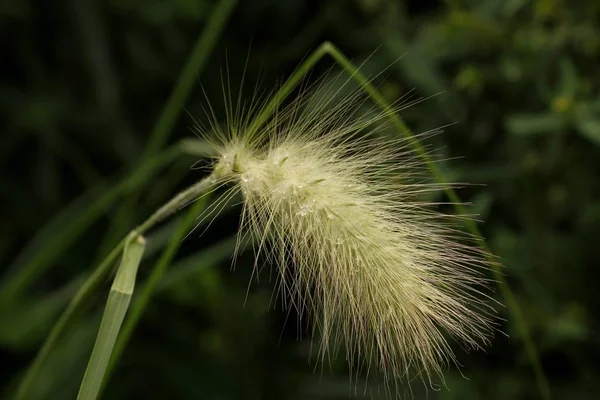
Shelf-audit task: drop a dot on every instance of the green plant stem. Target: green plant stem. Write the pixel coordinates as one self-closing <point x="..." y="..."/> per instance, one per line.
<point x="193" y="68"/>
<point x="143" y="298"/>
<point x="114" y="313"/>
<point x="174" y="106"/>
<point x="56" y="237"/>
<point x="61" y="238"/>
<point x="328" y="48"/>
<point x="191" y="265"/>
<point x="471" y="226"/>
<point x="290" y="84"/>
<point x="99" y="275"/>
<point x="58" y="240"/>
<point x="70" y="231"/>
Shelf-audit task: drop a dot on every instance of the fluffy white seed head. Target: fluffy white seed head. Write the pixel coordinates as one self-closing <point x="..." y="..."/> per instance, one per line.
<point x="339" y="211"/>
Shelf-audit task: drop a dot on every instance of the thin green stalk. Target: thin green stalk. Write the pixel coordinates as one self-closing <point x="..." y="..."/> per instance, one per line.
<point x="56" y="237"/>
<point x="191" y="265"/>
<point x="114" y="313"/>
<point x="99" y="275"/>
<point x="170" y="113"/>
<point x="293" y="81"/>
<point x="193" y="68"/>
<point x="328" y="48"/>
<point x="471" y="226"/>
<point x="146" y="292"/>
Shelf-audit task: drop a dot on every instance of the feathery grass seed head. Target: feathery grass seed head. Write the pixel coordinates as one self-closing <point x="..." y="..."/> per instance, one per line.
<point x="338" y="210"/>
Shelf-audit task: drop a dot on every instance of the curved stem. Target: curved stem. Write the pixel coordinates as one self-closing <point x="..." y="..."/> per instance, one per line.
<point x="194" y="66"/>
<point x="99" y="275"/>
<point x="471" y="226"/>
<point x="142" y="299"/>
<point x="327" y="48"/>
<point x="63" y="230"/>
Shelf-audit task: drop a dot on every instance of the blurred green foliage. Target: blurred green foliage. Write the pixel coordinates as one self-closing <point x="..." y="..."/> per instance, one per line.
<point x="83" y="83"/>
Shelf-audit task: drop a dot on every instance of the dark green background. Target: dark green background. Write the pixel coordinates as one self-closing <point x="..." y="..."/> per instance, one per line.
<point x="83" y="83"/>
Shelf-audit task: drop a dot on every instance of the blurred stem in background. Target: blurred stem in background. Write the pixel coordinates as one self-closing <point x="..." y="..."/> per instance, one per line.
<point x="513" y="305"/>
<point x="60" y="233"/>
<point x="174" y="106"/>
<point x="64" y="229"/>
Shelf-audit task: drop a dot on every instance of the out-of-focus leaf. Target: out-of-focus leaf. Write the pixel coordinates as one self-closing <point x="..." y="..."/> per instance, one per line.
<point x="23" y="324"/>
<point x="481" y="206"/>
<point x="511" y="7"/>
<point x="60" y="375"/>
<point x="162" y="12"/>
<point x="535" y="124"/>
<point x="187" y="268"/>
<point x="570" y="324"/>
<point x="569" y="80"/>
<point x="589" y="127"/>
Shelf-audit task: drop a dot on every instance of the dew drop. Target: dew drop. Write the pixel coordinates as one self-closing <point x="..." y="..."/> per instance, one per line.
<point x="303" y="211"/>
<point x="307" y="207"/>
<point x="227" y="160"/>
<point x="246" y="178"/>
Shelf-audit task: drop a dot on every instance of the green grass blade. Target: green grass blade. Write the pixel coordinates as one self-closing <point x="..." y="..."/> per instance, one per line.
<point x="114" y="313"/>
<point x="328" y="48"/>
<point x="148" y="289"/>
<point x="74" y="307"/>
